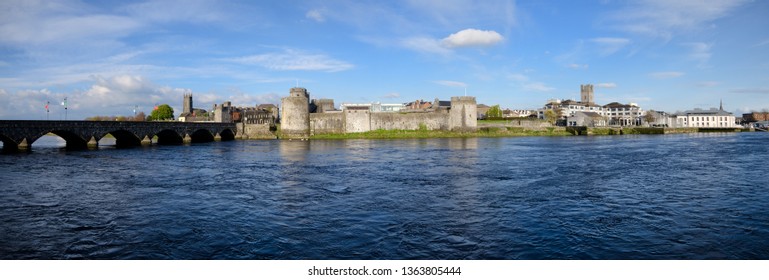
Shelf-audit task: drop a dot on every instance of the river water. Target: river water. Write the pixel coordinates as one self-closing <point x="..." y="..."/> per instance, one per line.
<point x="692" y="196"/>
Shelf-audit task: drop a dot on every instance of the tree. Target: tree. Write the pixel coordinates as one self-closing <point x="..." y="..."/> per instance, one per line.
<point x="494" y="112"/>
<point x="140" y="117"/>
<point x="649" y="117"/>
<point x="162" y="112"/>
<point x="552" y="116"/>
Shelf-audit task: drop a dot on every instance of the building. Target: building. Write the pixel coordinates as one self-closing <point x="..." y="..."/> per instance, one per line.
<point x="190" y="114"/>
<point x="589" y="119"/>
<point x="482" y="110"/>
<point x="374" y="106"/>
<point x="507" y="113"/>
<point x="706" y="118"/>
<point x="418" y="105"/>
<point x="322" y="105"/>
<point x="755" y="117"/>
<point x="659" y="119"/>
<point x="615" y="113"/>
<point x="222" y="113"/>
<point x="623" y="114"/>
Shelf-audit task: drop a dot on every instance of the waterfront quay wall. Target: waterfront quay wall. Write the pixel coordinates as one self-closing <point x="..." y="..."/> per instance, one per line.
<point x="581" y="130"/>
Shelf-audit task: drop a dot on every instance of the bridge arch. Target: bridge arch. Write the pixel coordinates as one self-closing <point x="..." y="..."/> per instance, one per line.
<point x="169" y="137"/>
<point x="227" y="134"/>
<point x="202" y="136"/>
<point x="8" y="143"/>
<point x="125" y="138"/>
<point x="74" y="141"/>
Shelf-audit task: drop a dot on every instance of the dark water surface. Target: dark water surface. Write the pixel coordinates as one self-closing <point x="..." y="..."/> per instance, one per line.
<point x="695" y="196"/>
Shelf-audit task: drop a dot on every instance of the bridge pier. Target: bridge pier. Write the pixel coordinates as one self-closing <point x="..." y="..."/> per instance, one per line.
<point x="146" y="141"/>
<point x="187" y="139"/>
<point x="23" y="146"/>
<point x="93" y="144"/>
<point x="217" y="137"/>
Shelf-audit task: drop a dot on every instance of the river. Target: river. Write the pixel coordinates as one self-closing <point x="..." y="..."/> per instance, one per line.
<point x="689" y="196"/>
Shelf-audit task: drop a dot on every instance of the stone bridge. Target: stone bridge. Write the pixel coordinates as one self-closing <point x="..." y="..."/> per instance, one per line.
<point x="19" y="135"/>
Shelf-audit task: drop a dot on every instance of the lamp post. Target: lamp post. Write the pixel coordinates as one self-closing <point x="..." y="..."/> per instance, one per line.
<point x="65" y="107"/>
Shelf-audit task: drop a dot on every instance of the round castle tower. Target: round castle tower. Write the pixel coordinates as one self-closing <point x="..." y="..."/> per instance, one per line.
<point x="463" y="115"/>
<point x="295" y="119"/>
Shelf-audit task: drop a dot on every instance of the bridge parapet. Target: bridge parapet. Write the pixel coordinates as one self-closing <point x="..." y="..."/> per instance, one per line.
<point x="19" y="135"/>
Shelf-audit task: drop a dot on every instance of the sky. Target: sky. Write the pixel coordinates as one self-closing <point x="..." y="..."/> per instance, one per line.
<point x="112" y="57"/>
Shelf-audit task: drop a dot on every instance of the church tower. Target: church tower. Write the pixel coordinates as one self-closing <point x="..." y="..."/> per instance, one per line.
<point x="187" y="104"/>
<point x="586" y="94"/>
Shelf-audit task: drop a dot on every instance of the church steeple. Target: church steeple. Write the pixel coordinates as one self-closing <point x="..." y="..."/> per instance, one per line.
<point x="721" y="105"/>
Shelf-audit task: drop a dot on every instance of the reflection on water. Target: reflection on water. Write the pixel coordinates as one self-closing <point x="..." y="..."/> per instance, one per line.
<point x="695" y="196"/>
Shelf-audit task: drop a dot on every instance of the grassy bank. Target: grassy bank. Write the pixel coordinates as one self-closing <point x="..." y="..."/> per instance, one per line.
<point x="416" y="134"/>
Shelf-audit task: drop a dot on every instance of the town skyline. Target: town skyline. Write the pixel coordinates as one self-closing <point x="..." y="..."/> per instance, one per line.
<point x="109" y="59"/>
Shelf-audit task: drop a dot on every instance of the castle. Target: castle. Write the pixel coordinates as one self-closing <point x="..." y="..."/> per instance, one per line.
<point x="299" y="120"/>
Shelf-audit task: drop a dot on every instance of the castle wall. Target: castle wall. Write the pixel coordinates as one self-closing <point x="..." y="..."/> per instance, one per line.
<point x="298" y="122"/>
<point x="357" y="121"/>
<point x="255" y="131"/>
<point x="409" y="121"/>
<point x="321" y="123"/>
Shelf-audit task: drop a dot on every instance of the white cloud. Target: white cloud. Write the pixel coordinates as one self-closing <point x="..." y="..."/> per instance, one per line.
<point x="610" y="45"/>
<point x="292" y="60"/>
<point x="315" y="15"/>
<point x="666" y="75"/>
<point x="606" y="85"/>
<point x="537" y="87"/>
<point x="472" y="38"/>
<point x="451" y="83"/>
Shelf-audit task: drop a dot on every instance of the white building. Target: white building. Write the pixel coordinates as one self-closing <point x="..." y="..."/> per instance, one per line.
<point x="706" y="118"/>
<point x="374" y="106"/>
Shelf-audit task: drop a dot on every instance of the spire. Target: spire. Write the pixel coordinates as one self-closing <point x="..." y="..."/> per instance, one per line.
<point x="721" y="105"/>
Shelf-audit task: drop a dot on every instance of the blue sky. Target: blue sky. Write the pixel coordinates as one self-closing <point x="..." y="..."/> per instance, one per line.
<point x="107" y="57"/>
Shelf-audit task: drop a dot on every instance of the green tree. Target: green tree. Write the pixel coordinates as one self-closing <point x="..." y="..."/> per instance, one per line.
<point x="494" y="112"/>
<point x="162" y="112"/>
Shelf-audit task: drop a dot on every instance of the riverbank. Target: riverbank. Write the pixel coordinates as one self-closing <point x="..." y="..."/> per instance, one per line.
<point x="417" y="134"/>
<point x="509" y="131"/>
